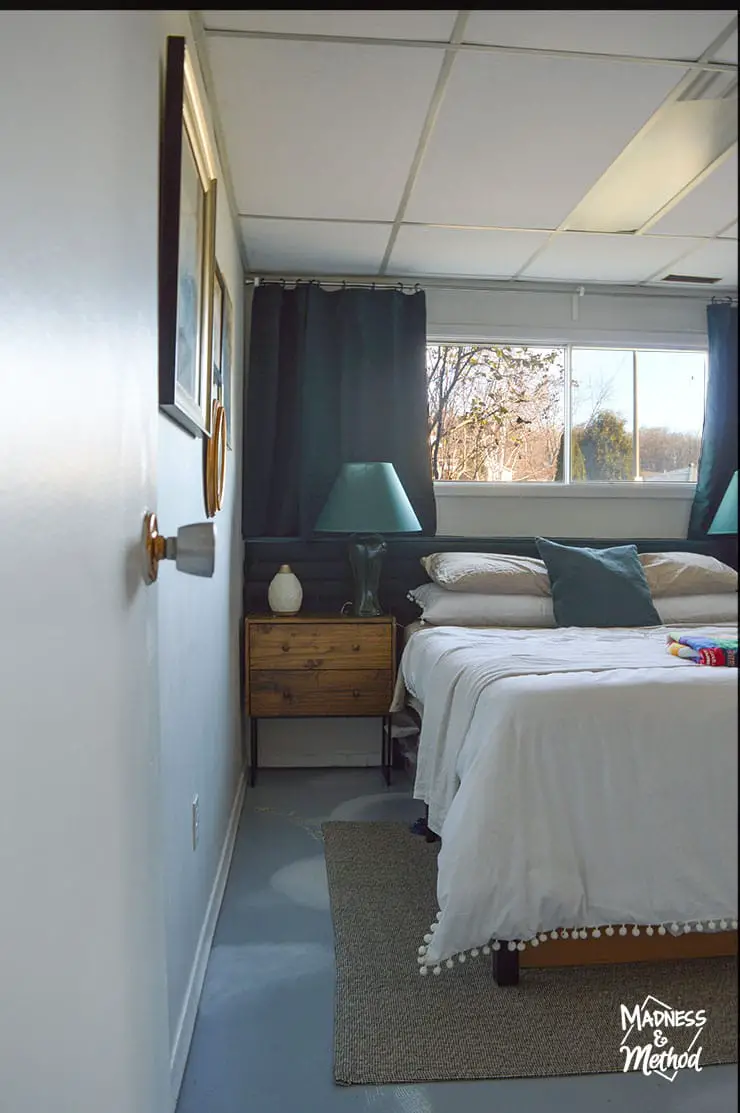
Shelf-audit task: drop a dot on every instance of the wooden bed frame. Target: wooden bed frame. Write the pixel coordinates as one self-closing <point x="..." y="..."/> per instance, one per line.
<point x="614" y="950"/>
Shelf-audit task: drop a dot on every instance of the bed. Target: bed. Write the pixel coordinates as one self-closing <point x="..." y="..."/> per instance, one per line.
<point x="501" y="845"/>
<point x="584" y="785"/>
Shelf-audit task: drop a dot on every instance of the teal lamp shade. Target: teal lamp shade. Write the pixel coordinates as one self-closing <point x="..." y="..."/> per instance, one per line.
<point x="724" y="521"/>
<point x="367" y="498"/>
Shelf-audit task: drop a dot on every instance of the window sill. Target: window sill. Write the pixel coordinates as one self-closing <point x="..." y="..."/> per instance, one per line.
<point x="649" y="490"/>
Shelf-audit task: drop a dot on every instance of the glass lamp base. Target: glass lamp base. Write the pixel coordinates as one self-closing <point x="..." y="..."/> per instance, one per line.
<point x="366" y="553"/>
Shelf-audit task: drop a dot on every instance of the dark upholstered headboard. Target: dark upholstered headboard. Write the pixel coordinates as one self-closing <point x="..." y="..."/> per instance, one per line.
<point x="323" y="569"/>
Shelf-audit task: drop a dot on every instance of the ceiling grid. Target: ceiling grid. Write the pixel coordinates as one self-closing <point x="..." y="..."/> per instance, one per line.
<point x="481" y="145"/>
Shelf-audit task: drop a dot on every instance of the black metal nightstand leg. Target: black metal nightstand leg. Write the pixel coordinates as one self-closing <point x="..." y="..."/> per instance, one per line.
<point x="386" y="752"/>
<point x="253" y="751"/>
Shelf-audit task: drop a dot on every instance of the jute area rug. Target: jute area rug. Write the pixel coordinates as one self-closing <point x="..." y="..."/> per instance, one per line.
<point x="391" y="1025"/>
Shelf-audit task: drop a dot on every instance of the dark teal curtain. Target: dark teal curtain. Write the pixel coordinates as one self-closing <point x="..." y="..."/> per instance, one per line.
<point x="718" y="459"/>
<point x="335" y="376"/>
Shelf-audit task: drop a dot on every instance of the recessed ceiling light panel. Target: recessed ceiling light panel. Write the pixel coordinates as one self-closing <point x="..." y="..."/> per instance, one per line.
<point x="687" y="137"/>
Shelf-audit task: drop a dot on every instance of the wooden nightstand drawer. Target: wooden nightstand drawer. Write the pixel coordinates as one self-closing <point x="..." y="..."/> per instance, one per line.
<point x="320" y="645"/>
<point x="320" y="692"/>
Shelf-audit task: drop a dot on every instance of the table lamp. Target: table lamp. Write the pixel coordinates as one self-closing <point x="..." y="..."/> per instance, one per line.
<point x="724" y="522"/>
<point x="367" y="501"/>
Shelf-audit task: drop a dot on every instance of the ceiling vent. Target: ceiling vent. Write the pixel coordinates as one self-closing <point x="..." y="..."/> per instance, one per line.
<point x="691" y="279"/>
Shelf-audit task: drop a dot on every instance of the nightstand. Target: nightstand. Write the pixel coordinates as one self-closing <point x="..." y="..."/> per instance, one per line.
<point x="315" y="666"/>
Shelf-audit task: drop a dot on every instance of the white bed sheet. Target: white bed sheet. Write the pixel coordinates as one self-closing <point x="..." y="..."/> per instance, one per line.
<point x="577" y="778"/>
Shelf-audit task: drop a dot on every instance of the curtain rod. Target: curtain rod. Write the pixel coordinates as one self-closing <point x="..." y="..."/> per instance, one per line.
<point x="482" y="286"/>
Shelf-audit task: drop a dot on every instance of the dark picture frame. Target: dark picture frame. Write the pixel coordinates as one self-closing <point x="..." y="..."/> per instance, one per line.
<point x="187" y="227"/>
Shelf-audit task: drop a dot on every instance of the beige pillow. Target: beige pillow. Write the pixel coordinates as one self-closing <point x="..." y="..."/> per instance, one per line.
<point x="488" y="573"/>
<point x="687" y="574"/>
<point x="458" y="608"/>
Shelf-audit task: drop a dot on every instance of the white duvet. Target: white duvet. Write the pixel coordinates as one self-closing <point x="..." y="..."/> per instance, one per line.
<point x="577" y="777"/>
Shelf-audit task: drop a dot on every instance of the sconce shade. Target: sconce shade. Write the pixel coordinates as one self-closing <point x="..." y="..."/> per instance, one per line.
<point x="195" y="549"/>
<point x="724" y="521"/>
<point x="367" y="498"/>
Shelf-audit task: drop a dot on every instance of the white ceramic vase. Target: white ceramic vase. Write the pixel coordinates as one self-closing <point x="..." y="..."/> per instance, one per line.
<point x="285" y="593"/>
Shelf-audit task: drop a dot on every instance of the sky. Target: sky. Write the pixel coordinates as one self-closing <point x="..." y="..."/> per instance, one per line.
<point x="670" y="387"/>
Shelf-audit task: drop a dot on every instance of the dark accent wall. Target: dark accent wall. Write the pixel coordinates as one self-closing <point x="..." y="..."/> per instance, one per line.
<point x="323" y="569"/>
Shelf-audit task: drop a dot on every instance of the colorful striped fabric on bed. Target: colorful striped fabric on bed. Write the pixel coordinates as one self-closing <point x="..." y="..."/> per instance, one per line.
<point x="703" y="650"/>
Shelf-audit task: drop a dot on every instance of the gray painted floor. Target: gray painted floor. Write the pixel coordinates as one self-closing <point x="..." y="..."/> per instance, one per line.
<point x="263" y="1037"/>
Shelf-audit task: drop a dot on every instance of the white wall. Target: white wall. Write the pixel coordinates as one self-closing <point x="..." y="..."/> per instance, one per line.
<point x="119" y="702"/>
<point x="83" y="1002"/>
<point x="199" y="629"/>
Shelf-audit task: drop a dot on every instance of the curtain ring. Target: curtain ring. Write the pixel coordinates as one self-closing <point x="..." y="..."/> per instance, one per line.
<point x="344" y="285"/>
<point x="282" y="283"/>
<point x="417" y="288"/>
<point x="400" y="287"/>
<point x="373" y="286"/>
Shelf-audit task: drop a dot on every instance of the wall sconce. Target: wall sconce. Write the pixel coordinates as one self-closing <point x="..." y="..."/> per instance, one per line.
<point x="193" y="550"/>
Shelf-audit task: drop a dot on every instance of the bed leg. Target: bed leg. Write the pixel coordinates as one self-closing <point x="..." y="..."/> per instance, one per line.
<point x="429" y="835"/>
<point x="505" y="966"/>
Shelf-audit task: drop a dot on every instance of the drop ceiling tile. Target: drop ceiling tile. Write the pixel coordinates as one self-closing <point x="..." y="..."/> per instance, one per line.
<point x="643" y="34"/>
<point x="426" y="24"/>
<point x="320" y="129"/>
<point x="580" y="257"/>
<point x="314" y="247"/>
<point x="709" y="207"/>
<point x="728" y="52"/>
<point x="730" y="233"/>
<point x="462" y="252"/>
<point x="716" y="259"/>
<point x="520" y="140"/>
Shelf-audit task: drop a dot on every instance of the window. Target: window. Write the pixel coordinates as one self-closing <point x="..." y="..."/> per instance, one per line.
<point x="525" y="413"/>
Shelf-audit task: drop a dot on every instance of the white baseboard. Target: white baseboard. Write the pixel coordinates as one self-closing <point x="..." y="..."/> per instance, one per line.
<point x="186" y="1023"/>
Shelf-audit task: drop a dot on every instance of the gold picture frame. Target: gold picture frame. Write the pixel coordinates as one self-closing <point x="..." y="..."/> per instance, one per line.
<point x="187" y="234"/>
<point x="215" y="462"/>
<point x="223" y="347"/>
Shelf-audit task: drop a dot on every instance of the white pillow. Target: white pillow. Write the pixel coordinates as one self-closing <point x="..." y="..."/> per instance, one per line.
<point x="489" y="573"/>
<point x="697" y="608"/>
<point x="441" y="607"/>
<point x="671" y="574"/>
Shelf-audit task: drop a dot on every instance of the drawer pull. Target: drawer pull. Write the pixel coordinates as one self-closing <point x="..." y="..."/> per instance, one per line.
<point x="287" y="694"/>
<point x="286" y="648"/>
<point x="355" y="649"/>
<point x="356" y="693"/>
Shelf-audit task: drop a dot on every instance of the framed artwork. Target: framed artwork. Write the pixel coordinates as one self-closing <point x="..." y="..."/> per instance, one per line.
<point x="227" y="360"/>
<point x="216" y="332"/>
<point x="187" y="230"/>
<point x="223" y="347"/>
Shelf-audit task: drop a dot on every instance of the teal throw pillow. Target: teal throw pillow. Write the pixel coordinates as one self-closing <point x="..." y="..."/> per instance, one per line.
<point x="597" y="587"/>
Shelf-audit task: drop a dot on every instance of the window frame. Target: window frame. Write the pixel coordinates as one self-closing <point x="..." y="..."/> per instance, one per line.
<point x="618" y="488"/>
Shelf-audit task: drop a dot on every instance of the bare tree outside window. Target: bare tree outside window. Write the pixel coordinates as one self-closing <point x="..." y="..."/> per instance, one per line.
<point x="495" y="411"/>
